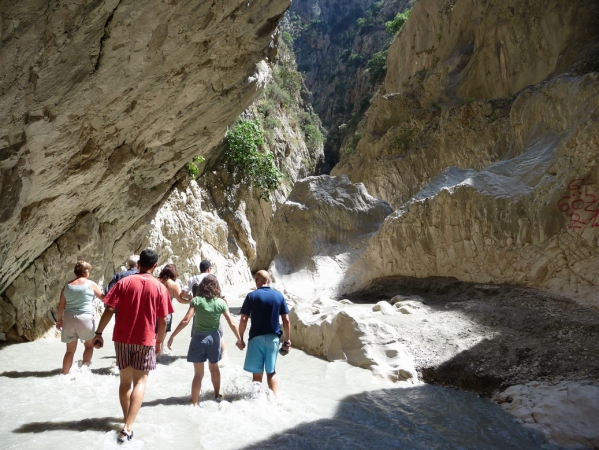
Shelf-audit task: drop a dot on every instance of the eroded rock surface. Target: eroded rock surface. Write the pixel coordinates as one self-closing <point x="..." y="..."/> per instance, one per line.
<point x="320" y="230"/>
<point x="101" y="104"/>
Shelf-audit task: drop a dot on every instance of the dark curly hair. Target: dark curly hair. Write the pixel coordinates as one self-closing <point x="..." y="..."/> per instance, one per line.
<point x="208" y="288"/>
<point x="169" y="272"/>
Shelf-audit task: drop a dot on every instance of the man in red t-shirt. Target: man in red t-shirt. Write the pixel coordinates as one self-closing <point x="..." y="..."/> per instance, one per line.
<point x="141" y="301"/>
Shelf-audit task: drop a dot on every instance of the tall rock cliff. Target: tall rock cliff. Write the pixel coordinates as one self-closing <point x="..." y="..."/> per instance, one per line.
<point x="485" y="142"/>
<point x="101" y="104"/>
<point x="335" y="40"/>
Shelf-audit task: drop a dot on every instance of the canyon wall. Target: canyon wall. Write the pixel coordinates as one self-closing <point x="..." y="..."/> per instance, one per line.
<point x="101" y="104"/>
<point x="484" y="141"/>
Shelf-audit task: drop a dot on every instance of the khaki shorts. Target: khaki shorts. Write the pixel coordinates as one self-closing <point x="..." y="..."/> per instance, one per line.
<point x="77" y="326"/>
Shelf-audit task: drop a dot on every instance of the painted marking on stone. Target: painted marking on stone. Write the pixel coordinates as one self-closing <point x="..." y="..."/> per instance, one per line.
<point x="581" y="205"/>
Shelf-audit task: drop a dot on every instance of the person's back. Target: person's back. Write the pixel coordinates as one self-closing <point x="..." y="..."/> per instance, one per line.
<point x="207" y="312"/>
<point x="265" y="306"/>
<point x="79" y="298"/>
<point x="137" y="299"/>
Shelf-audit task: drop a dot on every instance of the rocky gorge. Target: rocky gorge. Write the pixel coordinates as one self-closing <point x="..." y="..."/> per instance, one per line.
<point x="456" y="242"/>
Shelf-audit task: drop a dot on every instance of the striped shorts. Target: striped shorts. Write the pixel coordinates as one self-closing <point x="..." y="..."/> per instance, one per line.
<point x="139" y="357"/>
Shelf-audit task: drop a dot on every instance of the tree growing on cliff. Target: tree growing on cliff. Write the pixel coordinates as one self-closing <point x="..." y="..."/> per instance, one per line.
<point x="246" y="160"/>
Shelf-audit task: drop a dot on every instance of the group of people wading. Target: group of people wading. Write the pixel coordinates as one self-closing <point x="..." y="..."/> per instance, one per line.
<point x="143" y="308"/>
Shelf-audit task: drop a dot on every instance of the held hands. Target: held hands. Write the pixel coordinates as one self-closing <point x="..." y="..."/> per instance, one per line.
<point x="240" y="344"/>
<point x="98" y="341"/>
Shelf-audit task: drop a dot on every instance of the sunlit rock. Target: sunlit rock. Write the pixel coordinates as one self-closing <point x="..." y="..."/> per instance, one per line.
<point x="342" y="332"/>
<point x="566" y="413"/>
<point x="320" y="230"/>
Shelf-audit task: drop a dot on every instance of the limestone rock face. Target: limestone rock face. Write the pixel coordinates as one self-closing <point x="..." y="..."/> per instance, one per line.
<point x="487" y="50"/>
<point x="341" y="332"/>
<point x="321" y="228"/>
<point x="566" y="413"/>
<point x="529" y="220"/>
<point x="101" y="104"/>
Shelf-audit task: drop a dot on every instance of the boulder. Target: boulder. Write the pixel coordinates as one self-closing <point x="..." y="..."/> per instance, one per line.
<point x="384" y="308"/>
<point x="339" y="332"/>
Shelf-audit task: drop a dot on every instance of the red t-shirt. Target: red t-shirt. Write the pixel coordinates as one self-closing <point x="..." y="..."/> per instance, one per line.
<point x="139" y="300"/>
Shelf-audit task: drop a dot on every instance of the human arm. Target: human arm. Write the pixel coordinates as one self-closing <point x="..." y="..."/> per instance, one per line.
<point x="62" y="303"/>
<point x="184" y="322"/>
<point x="243" y="322"/>
<point x="160" y="335"/>
<point x="106" y="316"/>
<point x="240" y="344"/>
<point x="286" y="331"/>
<point x="175" y="291"/>
<point x="97" y="291"/>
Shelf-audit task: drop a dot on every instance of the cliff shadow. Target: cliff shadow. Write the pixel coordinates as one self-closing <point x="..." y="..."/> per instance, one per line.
<point x="421" y="417"/>
<point x="513" y="335"/>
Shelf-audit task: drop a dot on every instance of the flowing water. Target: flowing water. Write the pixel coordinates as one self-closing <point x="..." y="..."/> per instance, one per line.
<point x="320" y="405"/>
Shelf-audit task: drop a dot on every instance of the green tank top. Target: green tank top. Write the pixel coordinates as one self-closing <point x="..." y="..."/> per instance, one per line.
<point x="79" y="298"/>
<point x="208" y="312"/>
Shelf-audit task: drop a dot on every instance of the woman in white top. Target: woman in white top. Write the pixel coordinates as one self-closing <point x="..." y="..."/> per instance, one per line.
<point x="76" y="315"/>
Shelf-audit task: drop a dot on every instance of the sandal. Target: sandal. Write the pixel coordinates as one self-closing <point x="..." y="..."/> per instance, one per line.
<point x="124" y="436"/>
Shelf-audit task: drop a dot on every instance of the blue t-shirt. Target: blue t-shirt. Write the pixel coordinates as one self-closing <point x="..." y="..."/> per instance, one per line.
<point x="118" y="277"/>
<point x="264" y="306"/>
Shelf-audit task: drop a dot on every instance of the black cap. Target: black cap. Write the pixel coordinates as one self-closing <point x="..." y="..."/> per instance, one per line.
<point x="205" y="265"/>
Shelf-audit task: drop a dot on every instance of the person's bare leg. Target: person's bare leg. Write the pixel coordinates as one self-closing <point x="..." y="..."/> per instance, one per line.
<point x="223" y="348"/>
<point x="125" y="389"/>
<point x="140" y="378"/>
<point x="273" y="382"/>
<point x="196" y="384"/>
<point x="215" y="376"/>
<point x="257" y="377"/>
<point x="88" y="352"/>
<point x="67" y="361"/>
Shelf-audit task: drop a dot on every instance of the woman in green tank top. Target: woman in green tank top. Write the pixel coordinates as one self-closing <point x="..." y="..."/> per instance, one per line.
<point x="207" y="306"/>
<point x="76" y="315"/>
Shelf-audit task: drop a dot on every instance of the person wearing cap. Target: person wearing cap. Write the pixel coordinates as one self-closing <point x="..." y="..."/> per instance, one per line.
<point x="264" y="306"/>
<point x="187" y="294"/>
<point x="131" y="265"/>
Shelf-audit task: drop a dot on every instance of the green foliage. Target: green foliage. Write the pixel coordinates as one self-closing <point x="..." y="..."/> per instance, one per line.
<point x="377" y="66"/>
<point x="393" y="26"/>
<point x="404" y="138"/>
<point x="355" y="60"/>
<point x="287" y="38"/>
<point x="192" y="167"/>
<point x="242" y="153"/>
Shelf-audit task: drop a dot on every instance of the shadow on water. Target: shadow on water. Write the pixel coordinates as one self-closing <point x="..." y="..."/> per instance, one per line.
<point x="103" y="424"/>
<point x="167" y="360"/>
<point x="186" y="400"/>
<point x="27" y="374"/>
<point x="423" y="417"/>
<point x="52" y="373"/>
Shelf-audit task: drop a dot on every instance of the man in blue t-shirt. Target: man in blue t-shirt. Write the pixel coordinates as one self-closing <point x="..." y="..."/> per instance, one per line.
<point x="264" y="306"/>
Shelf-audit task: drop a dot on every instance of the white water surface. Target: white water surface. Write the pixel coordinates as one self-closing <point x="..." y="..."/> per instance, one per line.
<point x="320" y="405"/>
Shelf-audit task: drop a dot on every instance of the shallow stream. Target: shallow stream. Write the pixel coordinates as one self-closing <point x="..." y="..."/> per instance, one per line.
<point x="320" y="405"/>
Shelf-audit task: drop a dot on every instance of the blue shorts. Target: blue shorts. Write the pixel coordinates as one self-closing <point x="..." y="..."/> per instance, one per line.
<point x="204" y="346"/>
<point x="262" y="354"/>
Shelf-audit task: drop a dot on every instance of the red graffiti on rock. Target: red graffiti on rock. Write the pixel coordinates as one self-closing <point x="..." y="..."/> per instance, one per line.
<point x="581" y="205"/>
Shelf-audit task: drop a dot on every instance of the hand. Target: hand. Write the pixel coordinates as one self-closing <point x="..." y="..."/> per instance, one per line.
<point x="59" y="324"/>
<point x="98" y="341"/>
<point x="158" y="347"/>
<point x="240" y="344"/>
<point x="170" y="343"/>
<point x="287" y="345"/>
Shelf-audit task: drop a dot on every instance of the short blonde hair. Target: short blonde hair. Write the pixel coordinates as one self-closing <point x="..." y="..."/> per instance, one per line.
<point x="81" y="267"/>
